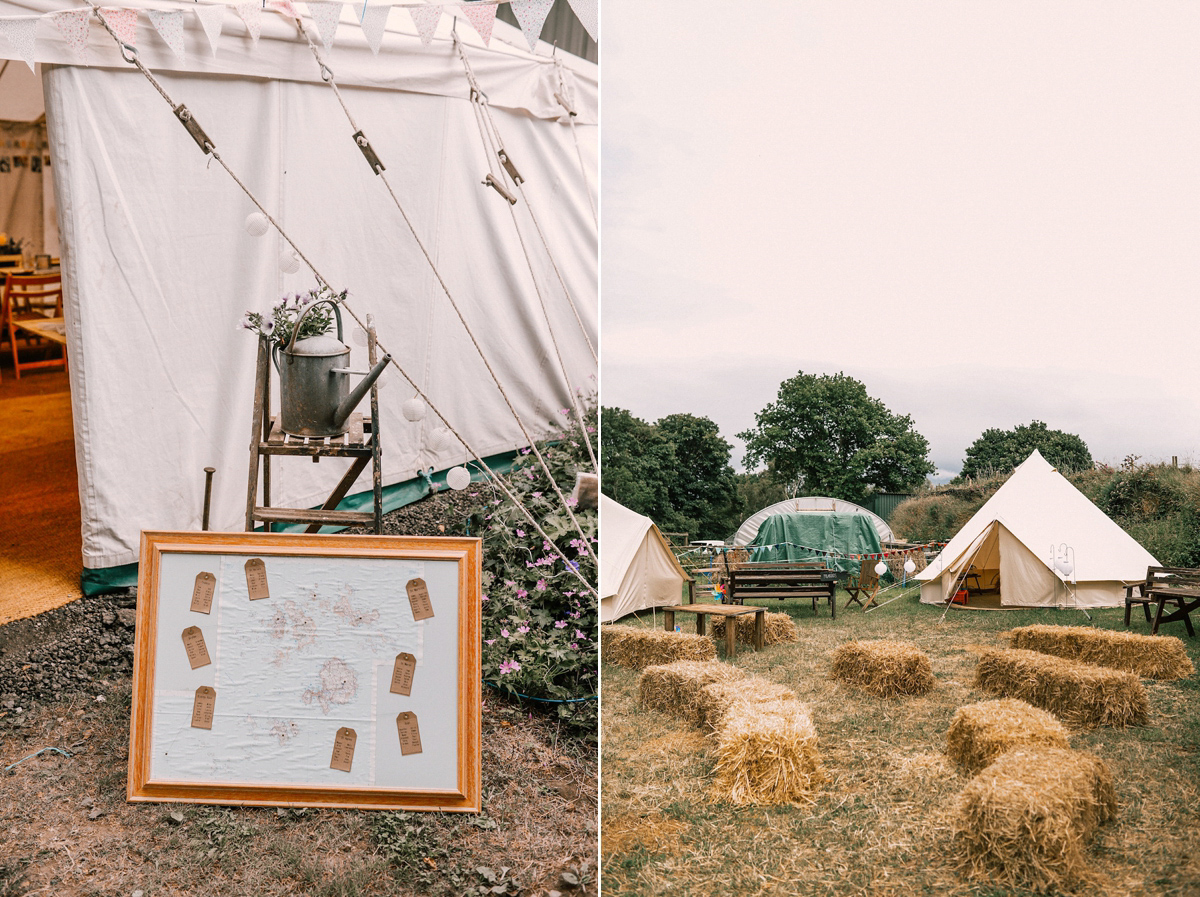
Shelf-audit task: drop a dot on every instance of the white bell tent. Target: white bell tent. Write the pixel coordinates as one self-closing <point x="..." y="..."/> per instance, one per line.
<point x="159" y="268"/>
<point x="637" y="568"/>
<point x="1043" y="543"/>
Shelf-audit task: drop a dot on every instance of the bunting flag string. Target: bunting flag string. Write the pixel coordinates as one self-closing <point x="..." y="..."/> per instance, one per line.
<point x="169" y="24"/>
<point x="834" y="553"/>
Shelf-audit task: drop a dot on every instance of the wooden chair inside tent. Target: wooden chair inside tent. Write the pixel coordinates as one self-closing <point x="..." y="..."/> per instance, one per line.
<point x="12" y="261"/>
<point x="32" y="309"/>
<point x="866" y="583"/>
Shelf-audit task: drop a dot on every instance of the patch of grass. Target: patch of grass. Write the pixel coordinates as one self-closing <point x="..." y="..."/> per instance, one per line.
<point x="881" y="825"/>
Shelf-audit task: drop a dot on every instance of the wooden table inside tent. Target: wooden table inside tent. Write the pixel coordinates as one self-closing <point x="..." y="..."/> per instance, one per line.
<point x="720" y="610"/>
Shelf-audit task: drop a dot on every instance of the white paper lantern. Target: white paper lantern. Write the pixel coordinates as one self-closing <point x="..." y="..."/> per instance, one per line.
<point x="458" y="478"/>
<point x="910" y="566"/>
<point x="288" y="263"/>
<point x="438" y="439"/>
<point x="1065" y="567"/>
<point x="881" y="568"/>
<point x="413" y="409"/>
<point x="257" y="224"/>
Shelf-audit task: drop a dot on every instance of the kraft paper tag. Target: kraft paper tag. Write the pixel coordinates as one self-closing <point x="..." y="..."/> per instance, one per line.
<point x="402" y="674"/>
<point x="343" y="749"/>
<point x="256" y="579"/>
<point x="193" y="642"/>
<point x="410" y="735"/>
<point x="202" y="709"/>
<point x="418" y="599"/>
<point x="202" y="593"/>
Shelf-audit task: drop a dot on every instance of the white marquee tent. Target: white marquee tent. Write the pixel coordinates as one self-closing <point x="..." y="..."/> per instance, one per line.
<point x="1036" y="517"/>
<point x="158" y="266"/>
<point x="637" y="568"/>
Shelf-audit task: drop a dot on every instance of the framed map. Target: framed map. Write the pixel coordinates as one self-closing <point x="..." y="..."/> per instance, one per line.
<point x="288" y="669"/>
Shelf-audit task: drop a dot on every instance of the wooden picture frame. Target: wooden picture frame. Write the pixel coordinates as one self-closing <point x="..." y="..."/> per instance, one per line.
<point x="331" y="646"/>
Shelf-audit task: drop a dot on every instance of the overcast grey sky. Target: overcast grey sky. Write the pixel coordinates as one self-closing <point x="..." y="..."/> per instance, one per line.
<point x="988" y="212"/>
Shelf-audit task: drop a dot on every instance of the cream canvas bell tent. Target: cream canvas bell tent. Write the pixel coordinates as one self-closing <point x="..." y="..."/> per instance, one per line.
<point x="637" y="568"/>
<point x="1039" y="542"/>
<point x="162" y="254"/>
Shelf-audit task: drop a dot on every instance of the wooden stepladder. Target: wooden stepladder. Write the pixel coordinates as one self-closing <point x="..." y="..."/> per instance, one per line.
<point x="361" y="443"/>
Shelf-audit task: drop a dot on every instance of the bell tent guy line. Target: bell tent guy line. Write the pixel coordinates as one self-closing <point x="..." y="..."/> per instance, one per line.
<point x="377" y="167"/>
<point x="130" y="55"/>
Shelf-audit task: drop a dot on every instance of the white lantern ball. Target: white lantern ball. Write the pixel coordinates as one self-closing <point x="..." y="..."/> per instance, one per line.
<point x="458" y="478"/>
<point x="257" y="224"/>
<point x="881" y="568"/>
<point x="910" y="566"/>
<point x="1064" y="566"/>
<point x="439" y="439"/>
<point x="288" y="263"/>
<point x="413" y="409"/>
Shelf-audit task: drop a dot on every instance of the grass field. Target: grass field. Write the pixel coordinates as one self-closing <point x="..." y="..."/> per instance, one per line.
<point x="881" y="824"/>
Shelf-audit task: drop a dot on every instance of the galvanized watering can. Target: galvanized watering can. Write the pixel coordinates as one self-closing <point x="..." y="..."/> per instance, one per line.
<point x="314" y="389"/>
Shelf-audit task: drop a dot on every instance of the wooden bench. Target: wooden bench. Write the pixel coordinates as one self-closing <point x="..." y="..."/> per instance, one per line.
<point x="720" y="610"/>
<point x="798" y="580"/>
<point x="1179" y="586"/>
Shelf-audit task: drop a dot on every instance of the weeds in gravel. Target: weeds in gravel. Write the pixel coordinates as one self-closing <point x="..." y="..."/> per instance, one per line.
<point x="12" y="878"/>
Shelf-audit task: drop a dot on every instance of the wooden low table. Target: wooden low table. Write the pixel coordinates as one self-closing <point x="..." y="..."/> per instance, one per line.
<point x="1179" y="586"/>
<point x="720" y="610"/>
<point x="1186" y="600"/>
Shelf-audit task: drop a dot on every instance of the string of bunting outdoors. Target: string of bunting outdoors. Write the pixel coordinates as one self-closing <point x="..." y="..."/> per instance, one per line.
<point x="834" y="553"/>
<point x="73" y="24"/>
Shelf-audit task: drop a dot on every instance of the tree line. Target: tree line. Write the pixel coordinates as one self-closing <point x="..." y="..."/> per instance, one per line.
<point x="823" y="435"/>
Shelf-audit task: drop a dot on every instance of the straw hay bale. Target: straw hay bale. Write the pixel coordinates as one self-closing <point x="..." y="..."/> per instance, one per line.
<point x="979" y="733"/>
<point x="777" y="628"/>
<point x="1080" y="694"/>
<point x="1149" y="656"/>
<point x="767" y="754"/>
<point x="884" y="668"/>
<point x="674" y="688"/>
<point x="637" y="648"/>
<point x="1026" y="819"/>
<point x="716" y="699"/>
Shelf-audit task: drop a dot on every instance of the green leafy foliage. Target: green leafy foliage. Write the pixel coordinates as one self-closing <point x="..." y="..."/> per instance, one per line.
<point x="421" y="845"/>
<point x="1000" y="451"/>
<point x="827" y="436"/>
<point x="284" y="315"/>
<point x="675" y="471"/>
<point x="539" y="620"/>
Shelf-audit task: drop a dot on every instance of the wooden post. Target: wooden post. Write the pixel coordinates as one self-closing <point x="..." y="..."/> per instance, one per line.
<point x="669" y="620"/>
<point x="260" y="375"/>
<point x="376" y="445"/>
<point x="760" y="629"/>
<point x="730" y="637"/>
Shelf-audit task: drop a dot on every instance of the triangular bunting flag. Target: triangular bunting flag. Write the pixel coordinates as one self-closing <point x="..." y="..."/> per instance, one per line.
<point x="531" y="14"/>
<point x="73" y="25"/>
<point x="123" y="22"/>
<point x="374" y="21"/>
<point x="326" y="16"/>
<point x="20" y="34"/>
<point x="283" y="6"/>
<point x="169" y="25"/>
<point x="482" y="16"/>
<point x="211" y="18"/>
<point x="426" y="19"/>
<point x="588" y="14"/>
<point x="251" y="14"/>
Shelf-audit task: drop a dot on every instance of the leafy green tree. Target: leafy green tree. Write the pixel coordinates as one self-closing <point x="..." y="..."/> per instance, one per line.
<point x="827" y="436"/>
<point x="636" y="463"/>
<point x="701" y="489"/>
<point x="675" y="471"/>
<point x="1000" y="451"/>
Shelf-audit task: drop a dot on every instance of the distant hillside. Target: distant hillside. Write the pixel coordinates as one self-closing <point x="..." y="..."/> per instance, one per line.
<point x="1157" y="504"/>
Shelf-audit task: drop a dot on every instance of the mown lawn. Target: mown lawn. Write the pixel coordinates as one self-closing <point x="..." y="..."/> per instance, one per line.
<point x="881" y="825"/>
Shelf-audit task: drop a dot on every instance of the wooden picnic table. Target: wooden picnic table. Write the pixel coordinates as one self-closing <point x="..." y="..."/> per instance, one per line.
<point x="1179" y="586"/>
<point x="720" y="610"/>
<point x="795" y="580"/>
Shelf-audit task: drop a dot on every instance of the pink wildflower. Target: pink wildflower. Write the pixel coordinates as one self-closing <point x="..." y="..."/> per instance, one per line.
<point x="504" y="633"/>
<point x="509" y="666"/>
<point x="522" y="629"/>
<point x="541" y="585"/>
<point x="560" y="624"/>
